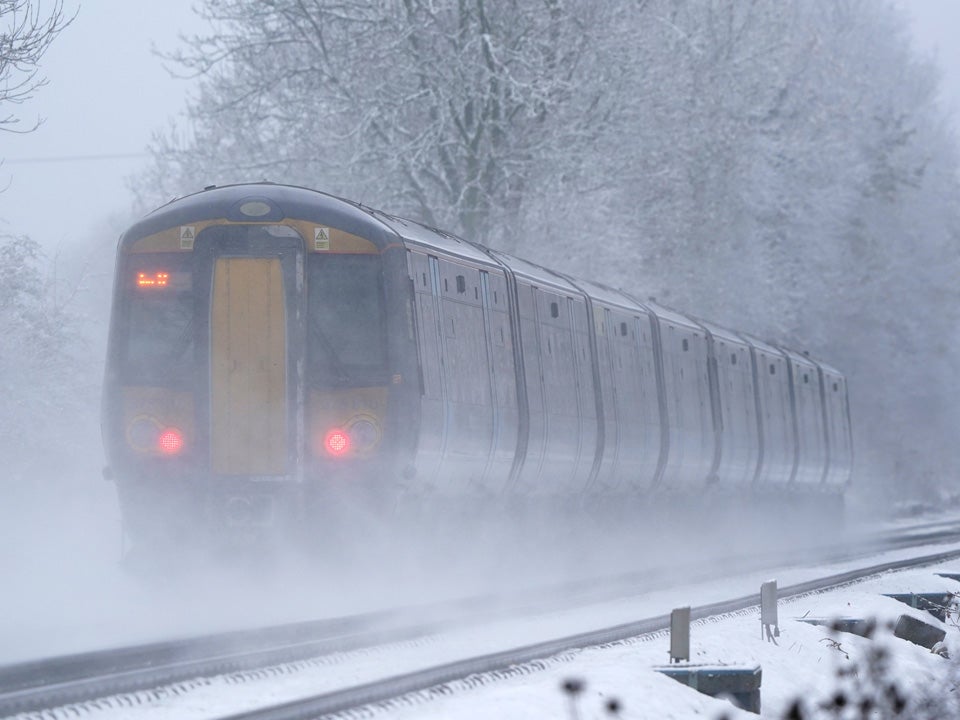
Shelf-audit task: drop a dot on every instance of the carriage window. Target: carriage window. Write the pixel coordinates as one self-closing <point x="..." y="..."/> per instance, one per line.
<point x="158" y="337"/>
<point x="346" y="338"/>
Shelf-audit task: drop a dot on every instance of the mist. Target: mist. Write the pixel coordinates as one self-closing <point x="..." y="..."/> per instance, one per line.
<point x="795" y="179"/>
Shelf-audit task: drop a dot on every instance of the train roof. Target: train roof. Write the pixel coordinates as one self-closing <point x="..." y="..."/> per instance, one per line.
<point x="672" y="316"/>
<point x="829" y="369"/>
<point x="431" y="238"/>
<point x="282" y="201"/>
<point x="798" y="358"/>
<point x="536" y="274"/>
<point x="609" y="296"/>
<point x="718" y="331"/>
<point x="761" y="345"/>
<point x="795" y="356"/>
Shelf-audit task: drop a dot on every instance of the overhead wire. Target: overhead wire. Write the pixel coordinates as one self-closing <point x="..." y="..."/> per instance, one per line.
<point x="71" y="158"/>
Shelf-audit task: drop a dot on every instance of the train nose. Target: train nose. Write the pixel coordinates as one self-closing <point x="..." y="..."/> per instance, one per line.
<point x="241" y="511"/>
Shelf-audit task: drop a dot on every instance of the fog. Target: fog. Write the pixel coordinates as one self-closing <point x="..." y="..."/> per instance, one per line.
<point x="120" y="135"/>
<point x="69" y="593"/>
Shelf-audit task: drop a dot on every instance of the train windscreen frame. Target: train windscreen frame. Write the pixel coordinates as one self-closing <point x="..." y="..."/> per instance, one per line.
<point x="346" y="323"/>
<point x="158" y="341"/>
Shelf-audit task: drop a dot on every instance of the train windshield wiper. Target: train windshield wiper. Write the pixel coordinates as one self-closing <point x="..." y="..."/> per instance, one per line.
<point x="183" y="342"/>
<point x="335" y="363"/>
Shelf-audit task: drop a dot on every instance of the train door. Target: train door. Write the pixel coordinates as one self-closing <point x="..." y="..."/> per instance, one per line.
<point x="248" y="379"/>
<point x="256" y="340"/>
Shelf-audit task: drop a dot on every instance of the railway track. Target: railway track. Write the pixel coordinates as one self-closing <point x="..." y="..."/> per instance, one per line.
<point x="84" y="678"/>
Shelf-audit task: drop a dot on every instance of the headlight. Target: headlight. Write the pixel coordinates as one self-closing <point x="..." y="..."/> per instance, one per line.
<point x="365" y="433"/>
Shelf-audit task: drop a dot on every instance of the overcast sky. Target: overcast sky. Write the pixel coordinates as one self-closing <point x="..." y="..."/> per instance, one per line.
<point x="108" y="93"/>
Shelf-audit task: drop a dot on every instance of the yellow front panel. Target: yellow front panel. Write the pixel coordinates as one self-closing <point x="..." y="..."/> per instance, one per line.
<point x="181" y="238"/>
<point x="248" y="429"/>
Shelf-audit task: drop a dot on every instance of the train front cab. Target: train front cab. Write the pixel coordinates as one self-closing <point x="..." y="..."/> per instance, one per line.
<point x="228" y="405"/>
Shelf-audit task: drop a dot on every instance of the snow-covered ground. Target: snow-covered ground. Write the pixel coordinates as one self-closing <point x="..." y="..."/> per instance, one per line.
<point x="804" y="663"/>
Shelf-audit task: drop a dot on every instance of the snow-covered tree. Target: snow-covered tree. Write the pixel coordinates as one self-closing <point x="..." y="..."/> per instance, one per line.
<point x="26" y="33"/>
<point x="46" y="385"/>
<point x="448" y="111"/>
<point x="767" y="164"/>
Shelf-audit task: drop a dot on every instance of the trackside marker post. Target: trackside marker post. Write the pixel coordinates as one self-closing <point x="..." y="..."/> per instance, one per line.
<point x="768" y="611"/>
<point x="680" y="634"/>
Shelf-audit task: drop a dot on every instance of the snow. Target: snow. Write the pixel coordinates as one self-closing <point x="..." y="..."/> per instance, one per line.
<point x="803" y="663"/>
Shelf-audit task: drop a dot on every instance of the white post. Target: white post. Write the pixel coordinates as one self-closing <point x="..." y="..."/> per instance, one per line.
<point x="768" y="611"/>
<point x="680" y="634"/>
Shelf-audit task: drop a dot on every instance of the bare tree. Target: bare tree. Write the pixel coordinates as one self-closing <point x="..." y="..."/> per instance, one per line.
<point x="449" y="107"/>
<point x="26" y="32"/>
<point x="45" y="366"/>
<point x="769" y="164"/>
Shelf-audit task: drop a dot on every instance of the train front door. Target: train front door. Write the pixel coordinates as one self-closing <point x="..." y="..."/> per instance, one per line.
<point x="248" y="379"/>
<point x="255" y="344"/>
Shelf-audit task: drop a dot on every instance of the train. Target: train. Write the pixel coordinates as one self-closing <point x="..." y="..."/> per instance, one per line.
<point x="276" y="352"/>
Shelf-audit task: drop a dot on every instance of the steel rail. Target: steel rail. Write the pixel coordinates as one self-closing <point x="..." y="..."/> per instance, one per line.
<point x="432" y="679"/>
<point x="48" y="683"/>
<point x="43" y="684"/>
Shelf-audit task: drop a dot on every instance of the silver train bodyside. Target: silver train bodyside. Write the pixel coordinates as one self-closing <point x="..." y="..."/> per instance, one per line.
<point x="535" y="383"/>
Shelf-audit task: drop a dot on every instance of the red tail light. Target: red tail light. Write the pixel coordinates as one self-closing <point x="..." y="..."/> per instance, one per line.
<point x="170" y="441"/>
<point x="337" y="442"/>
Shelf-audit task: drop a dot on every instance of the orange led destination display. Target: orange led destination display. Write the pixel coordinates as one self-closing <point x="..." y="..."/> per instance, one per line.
<point x="158" y="279"/>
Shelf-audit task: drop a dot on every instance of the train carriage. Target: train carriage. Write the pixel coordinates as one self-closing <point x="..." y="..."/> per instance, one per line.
<point x="775" y="410"/>
<point x="736" y="419"/>
<point x="808" y="418"/>
<point x="277" y="354"/>
<point x="836" y="410"/>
